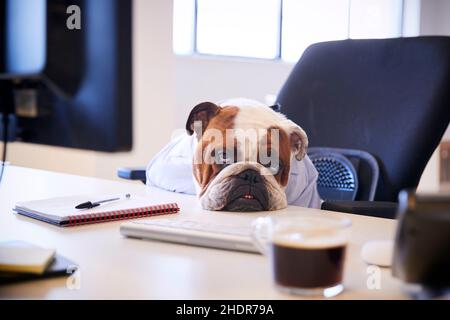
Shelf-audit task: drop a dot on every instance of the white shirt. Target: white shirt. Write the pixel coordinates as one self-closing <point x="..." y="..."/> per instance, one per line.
<point x="171" y="169"/>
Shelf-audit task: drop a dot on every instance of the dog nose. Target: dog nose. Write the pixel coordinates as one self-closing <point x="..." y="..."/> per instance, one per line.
<point x="250" y="176"/>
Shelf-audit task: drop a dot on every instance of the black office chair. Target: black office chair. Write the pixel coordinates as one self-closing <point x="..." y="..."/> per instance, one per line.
<point x="386" y="99"/>
<point x="389" y="98"/>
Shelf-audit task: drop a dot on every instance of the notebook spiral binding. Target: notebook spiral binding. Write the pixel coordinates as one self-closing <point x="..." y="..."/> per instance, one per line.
<point x="123" y="214"/>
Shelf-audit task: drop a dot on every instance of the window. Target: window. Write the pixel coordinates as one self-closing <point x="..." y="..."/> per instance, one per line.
<point x="376" y="18"/>
<point x="309" y="21"/>
<point x="247" y="28"/>
<point x="279" y="29"/>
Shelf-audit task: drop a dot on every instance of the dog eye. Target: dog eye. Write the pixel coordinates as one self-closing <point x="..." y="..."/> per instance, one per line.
<point x="222" y="157"/>
<point x="274" y="167"/>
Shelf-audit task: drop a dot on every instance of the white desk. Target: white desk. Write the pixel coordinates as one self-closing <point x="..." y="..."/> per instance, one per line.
<point x="113" y="267"/>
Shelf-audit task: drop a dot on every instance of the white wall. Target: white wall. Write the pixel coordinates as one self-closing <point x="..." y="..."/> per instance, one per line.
<point x="435" y="17"/>
<point x="203" y="78"/>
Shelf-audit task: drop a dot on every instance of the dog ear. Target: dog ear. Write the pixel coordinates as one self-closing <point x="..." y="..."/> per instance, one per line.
<point x="276" y="107"/>
<point x="199" y="118"/>
<point x="298" y="139"/>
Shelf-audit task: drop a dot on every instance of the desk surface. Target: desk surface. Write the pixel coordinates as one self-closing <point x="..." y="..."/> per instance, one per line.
<point x="114" y="267"/>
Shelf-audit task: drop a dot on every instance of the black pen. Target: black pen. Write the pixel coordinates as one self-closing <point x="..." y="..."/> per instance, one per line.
<point x="90" y="205"/>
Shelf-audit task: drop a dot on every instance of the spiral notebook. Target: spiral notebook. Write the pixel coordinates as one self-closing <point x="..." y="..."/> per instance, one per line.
<point x="62" y="212"/>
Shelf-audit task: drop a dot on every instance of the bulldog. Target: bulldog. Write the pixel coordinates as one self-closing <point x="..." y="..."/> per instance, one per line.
<point x="241" y="155"/>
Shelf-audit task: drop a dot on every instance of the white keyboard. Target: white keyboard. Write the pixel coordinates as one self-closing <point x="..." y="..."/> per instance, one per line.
<point x="191" y="233"/>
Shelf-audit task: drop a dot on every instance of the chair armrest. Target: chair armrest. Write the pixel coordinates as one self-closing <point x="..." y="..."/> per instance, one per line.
<point x="132" y="173"/>
<point x="368" y="208"/>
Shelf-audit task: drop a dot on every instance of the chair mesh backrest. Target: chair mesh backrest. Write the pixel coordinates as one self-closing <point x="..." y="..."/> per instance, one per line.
<point x="337" y="179"/>
<point x="335" y="174"/>
<point x="345" y="174"/>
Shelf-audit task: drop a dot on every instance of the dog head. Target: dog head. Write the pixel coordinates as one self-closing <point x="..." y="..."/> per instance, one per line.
<point x="243" y="157"/>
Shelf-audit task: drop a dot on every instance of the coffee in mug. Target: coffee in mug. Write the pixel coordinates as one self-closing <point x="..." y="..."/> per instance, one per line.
<point x="307" y="254"/>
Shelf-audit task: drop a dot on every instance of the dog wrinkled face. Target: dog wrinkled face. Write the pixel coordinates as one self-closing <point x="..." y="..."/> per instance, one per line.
<point x="242" y="161"/>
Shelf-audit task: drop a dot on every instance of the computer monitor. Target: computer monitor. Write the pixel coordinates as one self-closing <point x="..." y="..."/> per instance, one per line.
<point x="63" y="83"/>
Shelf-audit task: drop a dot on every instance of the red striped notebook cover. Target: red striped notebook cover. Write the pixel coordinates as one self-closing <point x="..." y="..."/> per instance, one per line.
<point x="62" y="212"/>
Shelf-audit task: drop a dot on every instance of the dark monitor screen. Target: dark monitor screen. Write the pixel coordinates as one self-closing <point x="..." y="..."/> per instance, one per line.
<point x="66" y="84"/>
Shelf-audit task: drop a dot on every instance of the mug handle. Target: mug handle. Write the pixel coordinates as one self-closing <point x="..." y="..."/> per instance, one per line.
<point x="260" y="233"/>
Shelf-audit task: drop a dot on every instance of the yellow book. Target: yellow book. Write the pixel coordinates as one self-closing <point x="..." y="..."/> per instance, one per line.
<point x="21" y="259"/>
